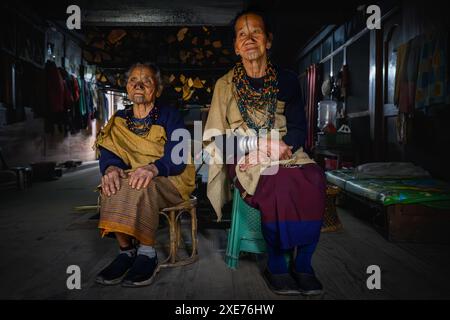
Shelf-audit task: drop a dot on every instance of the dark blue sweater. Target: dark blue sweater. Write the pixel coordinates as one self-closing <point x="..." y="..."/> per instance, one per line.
<point x="290" y="93"/>
<point x="170" y="119"/>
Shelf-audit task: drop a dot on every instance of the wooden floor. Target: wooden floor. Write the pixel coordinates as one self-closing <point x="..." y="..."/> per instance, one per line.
<point x="42" y="235"/>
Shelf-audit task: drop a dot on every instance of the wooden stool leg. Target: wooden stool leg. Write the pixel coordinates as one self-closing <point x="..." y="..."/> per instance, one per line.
<point x="172" y="234"/>
<point x="178" y="231"/>
<point x="173" y="216"/>
<point x="193" y="213"/>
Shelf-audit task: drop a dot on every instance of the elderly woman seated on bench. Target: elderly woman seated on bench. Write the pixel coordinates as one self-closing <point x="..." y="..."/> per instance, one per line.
<point x="139" y="177"/>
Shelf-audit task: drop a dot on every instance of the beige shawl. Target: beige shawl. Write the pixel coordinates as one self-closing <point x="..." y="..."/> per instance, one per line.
<point x="224" y="115"/>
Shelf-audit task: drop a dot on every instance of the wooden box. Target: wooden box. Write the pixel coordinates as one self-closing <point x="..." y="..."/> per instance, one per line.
<point x="418" y="223"/>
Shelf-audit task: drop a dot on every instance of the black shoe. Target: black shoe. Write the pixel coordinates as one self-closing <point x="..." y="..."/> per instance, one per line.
<point x="307" y="283"/>
<point x="142" y="272"/>
<point x="281" y="283"/>
<point x="116" y="270"/>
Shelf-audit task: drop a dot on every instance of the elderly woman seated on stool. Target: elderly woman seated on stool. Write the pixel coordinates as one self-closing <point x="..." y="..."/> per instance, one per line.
<point x="139" y="177"/>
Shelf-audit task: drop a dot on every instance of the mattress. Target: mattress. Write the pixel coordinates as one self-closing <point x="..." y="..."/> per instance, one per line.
<point x="390" y="191"/>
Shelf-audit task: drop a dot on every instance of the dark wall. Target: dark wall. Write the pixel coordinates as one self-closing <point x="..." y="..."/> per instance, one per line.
<point x="429" y="130"/>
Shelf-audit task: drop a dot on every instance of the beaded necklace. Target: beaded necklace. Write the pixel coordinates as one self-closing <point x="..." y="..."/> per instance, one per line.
<point x="141" y="126"/>
<point x="249" y="100"/>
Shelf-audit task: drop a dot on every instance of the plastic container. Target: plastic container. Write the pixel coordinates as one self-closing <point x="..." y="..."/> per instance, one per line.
<point x="326" y="114"/>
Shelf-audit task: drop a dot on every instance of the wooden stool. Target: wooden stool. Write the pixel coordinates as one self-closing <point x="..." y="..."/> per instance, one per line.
<point x="331" y="220"/>
<point x="173" y="215"/>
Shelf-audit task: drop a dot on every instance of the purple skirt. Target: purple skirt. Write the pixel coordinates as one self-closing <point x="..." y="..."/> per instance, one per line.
<point x="292" y="204"/>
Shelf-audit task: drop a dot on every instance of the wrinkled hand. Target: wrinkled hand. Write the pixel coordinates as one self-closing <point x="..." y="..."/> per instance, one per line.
<point x="141" y="177"/>
<point x="111" y="180"/>
<point x="252" y="159"/>
<point x="275" y="149"/>
<point x="285" y="151"/>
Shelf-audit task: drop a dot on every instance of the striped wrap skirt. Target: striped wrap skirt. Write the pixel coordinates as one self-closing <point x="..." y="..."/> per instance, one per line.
<point x="136" y="212"/>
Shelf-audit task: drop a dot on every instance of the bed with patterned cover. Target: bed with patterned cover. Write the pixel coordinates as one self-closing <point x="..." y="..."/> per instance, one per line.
<point x="388" y="191"/>
<point x="416" y="209"/>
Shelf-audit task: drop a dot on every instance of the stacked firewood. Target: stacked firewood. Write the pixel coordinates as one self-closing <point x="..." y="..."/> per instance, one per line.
<point x="178" y="51"/>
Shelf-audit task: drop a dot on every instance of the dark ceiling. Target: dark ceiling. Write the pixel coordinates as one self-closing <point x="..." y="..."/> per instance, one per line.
<point x="294" y="22"/>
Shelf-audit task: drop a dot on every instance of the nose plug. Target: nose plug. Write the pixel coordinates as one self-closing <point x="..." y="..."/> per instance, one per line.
<point x="139" y="85"/>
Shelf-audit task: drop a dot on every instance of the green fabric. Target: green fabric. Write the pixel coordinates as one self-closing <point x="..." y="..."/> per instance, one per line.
<point x="388" y="191"/>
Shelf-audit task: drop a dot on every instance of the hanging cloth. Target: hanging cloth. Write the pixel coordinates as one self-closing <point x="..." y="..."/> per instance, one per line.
<point x="313" y="73"/>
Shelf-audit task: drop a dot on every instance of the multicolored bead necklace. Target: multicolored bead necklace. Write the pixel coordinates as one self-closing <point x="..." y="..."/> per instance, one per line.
<point x="141" y="126"/>
<point x="249" y="99"/>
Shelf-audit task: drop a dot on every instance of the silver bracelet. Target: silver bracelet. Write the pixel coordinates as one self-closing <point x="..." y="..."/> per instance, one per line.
<point x="247" y="143"/>
<point x="243" y="144"/>
<point x="252" y="143"/>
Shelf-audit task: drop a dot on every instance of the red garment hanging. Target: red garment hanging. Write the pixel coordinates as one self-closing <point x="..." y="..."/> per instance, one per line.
<point x="76" y="89"/>
<point x="311" y="103"/>
<point x="55" y="87"/>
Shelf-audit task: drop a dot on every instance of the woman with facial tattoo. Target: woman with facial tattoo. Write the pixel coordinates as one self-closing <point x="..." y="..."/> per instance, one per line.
<point x="258" y="106"/>
<point x="139" y="177"/>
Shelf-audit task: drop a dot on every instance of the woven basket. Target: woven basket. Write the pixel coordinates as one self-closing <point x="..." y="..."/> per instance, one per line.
<point x="331" y="222"/>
